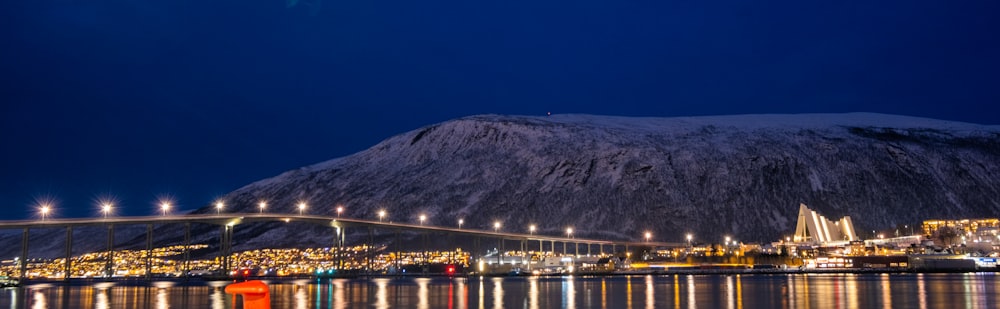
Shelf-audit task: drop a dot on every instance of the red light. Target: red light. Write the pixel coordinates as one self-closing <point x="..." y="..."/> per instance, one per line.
<point x="246" y="272"/>
<point x="451" y="269"/>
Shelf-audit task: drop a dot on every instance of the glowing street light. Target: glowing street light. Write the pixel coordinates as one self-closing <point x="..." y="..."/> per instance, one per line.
<point x="689" y="237"/>
<point x="218" y="207"/>
<point x="460" y="221"/>
<point x="728" y="240"/>
<point x="648" y="236"/>
<point x="569" y="232"/>
<point x="44" y="209"/>
<point x="262" y="205"/>
<point x="496" y="226"/>
<point x="164" y="206"/>
<point x="381" y="215"/>
<point x="422" y="218"/>
<point x="302" y="207"/>
<point x="106" y="209"/>
<point x="531" y="229"/>
<point x="340" y="210"/>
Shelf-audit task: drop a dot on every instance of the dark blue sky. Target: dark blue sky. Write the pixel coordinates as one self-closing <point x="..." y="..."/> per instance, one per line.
<point x="196" y="98"/>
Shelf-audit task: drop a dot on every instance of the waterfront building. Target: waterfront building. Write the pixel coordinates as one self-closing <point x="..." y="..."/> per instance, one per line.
<point x="815" y="229"/>
<point x="985" y="230"/>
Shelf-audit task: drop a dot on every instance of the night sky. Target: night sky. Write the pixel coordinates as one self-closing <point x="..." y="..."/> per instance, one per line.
<point x="193" y="99"/>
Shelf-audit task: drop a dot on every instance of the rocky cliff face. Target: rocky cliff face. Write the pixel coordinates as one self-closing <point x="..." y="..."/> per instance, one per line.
<point x="616" y="177"/>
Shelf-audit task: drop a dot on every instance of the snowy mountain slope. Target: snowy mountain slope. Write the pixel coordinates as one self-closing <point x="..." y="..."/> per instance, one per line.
<point x="616" y="177"/>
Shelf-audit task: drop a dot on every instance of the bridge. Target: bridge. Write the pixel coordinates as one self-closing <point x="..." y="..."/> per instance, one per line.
<point x="339" y="226"/>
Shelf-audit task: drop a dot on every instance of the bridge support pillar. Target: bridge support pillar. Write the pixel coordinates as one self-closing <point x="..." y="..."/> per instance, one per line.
<point x="109" y="267"/>
<point x="187" y="250"/>
<point x="588" y="249"/>
<point x="576" y="247"/>
<point x="69" y="252"/>
<point x="24" y="255"/>
<point x="149" y="251"/>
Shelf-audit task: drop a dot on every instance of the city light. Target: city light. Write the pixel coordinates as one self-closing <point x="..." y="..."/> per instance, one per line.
<point x="302" y="207"/>
<point x="340" y="210"/>
<point x="569" y="232"/>
<point x="218" y="207"/>
<point x="422" y="218"/>
<point x="531" y="229"/>
<point x="496" y="226"/>
<point x="106" y="209"/>
<point x="460" y="221"/>
<point x="648" y="236"/>
<point x="262" y="205"/>
<point x="689" y="237"/>
<point x="381" y="215"/>
<point x="44" y="209"/>
<point x="164" y="206"/>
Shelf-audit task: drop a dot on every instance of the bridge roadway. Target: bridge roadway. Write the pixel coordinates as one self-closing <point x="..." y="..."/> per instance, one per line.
<point x="228" y="222"/>
<point x="241" y="218"/>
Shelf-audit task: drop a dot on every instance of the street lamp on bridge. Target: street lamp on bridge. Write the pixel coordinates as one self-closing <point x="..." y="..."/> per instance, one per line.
<point x="262" y="205"/>
<point x="381" y="215"/>
<point x="460" y="221"/>
<point x="496" y="227"/>
<point x="164" y="206"/>
<point x="648" y="236"/>
<point x="218" y="207"/>
<point x="689" y="237"/>
<point x="531" y="229"/>
<point x="422" y="218"/>
<point x="340" y="210"/>
<point x="569" y="232"/>
<point x="106" y="209"/>
<point x="44" y="209"/>
<point x="302" y="207"/>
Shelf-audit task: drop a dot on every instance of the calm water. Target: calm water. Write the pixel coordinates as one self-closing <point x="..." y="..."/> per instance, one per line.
<point x="681" y="291"/>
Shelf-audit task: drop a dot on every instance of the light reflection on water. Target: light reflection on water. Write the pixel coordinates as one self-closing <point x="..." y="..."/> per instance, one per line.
<point x="980" y="290"/>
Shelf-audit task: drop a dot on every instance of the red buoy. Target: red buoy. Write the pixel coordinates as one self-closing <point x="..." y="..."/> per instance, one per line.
<point x="255" y="294"/>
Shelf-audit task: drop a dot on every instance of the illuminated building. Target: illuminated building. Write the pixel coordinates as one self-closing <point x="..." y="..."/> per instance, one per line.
<point x="816" y="229"/>
<point x="965" y="227"/>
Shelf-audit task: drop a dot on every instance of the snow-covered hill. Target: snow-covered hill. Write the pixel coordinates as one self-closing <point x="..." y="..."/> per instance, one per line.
<point x="616" y="177"/>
